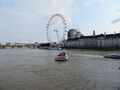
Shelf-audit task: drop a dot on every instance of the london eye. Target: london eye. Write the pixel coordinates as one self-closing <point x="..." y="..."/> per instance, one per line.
<point x="56" y="30"/>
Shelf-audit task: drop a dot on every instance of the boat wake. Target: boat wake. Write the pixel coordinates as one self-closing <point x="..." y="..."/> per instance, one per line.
<point x="85" y="55"/>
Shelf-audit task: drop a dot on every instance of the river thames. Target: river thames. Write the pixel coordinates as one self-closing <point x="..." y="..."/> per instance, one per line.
<point x="35" y="69"/>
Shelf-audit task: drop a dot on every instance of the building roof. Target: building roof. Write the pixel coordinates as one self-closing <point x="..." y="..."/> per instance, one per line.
<point x="97" y="36"/>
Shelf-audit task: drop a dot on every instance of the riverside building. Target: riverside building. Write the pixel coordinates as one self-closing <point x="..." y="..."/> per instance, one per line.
<point x="101" y="41"/>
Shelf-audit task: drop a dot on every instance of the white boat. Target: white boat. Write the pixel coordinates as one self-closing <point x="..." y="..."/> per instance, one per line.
<point x="63" y="56"/>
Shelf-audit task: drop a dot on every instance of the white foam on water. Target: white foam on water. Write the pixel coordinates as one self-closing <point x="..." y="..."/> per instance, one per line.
<point x="85" y="55"/>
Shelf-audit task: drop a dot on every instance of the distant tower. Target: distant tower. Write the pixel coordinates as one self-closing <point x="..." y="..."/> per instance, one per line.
<point x="105" y="33"/>
<point x="114" y="32"/>
<point x="93" y="32"/>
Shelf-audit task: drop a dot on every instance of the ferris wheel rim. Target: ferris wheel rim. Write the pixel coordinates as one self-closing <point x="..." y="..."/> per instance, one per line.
<point x="64" y="25"/>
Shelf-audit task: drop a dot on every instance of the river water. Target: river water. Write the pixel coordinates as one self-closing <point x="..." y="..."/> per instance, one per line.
<point x="35" y="69"/>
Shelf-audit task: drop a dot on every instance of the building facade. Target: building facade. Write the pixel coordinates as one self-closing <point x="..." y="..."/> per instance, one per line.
<point x="109" y="41"/>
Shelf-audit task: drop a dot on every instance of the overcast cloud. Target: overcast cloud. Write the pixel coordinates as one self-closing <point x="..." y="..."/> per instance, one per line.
<point x="26" y="20"/>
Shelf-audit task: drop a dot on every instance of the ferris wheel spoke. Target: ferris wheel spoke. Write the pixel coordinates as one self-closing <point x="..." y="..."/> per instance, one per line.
<point x="57" y="15"/>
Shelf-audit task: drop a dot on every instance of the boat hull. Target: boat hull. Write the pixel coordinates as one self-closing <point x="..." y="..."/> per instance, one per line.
<point x="112" y="56"/>
<point x="62" y="58"/>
